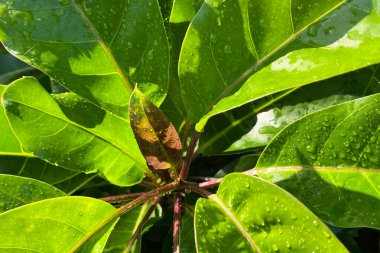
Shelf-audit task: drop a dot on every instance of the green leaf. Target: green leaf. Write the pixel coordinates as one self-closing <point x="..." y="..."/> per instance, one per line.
<point x="97" y="49"/>
<point x="15" y="161"/>
<point x="157" y="138"/>
<point x="84" y="225"/>
<point x="35" y="168"/>
<point x="242" y="128"/>
<point x="270" y="122"/>
<point x="71" y="132"/>
<point x="8" y="141"/>
<point x="330" y="161"/>
<point x="182" y="13"/>
<point x="17" y="191"/>
<point x="311" y="41"/>
<point x="248" y="214"/>
<point x="126" y="227"/>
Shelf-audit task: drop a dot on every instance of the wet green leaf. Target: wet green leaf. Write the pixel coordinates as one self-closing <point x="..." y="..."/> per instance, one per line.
<point x="248" y="214"/>
<point x="97" y="49"/>
<point x="8" y="142"/>
<point x="330" y="161"/>
<point x="182" y="13"/>
<point x="68" y="131"/>
<point x="15" y="161"/>
<point x="242" y="128"/>
<point x="84" y="225"/>
<point x="17" y="191"/>
<point x="157" y="138"/>
<point x="305" y="41"/>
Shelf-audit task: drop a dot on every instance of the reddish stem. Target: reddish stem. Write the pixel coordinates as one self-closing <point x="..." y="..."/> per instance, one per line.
<point x="122" y="197"/>
<point x="211" y="183"/>
<point x="147" y="183"/>
<point x="142" y="223"/>
<point x="149" y="195"/>
<point x="196" y="188"/>
<point x="201" y="179"/>
<point x="189" y="154"/>
<point x="177" y="222"/>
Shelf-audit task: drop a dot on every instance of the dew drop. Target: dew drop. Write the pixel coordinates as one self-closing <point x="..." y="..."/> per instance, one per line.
<point x="64" y="2"/>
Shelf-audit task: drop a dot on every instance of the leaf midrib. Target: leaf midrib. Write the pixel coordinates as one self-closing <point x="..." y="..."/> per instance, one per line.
<point x="82" y="128"/>
<point x="103" y="45"/>
<point x="235" y="221"/>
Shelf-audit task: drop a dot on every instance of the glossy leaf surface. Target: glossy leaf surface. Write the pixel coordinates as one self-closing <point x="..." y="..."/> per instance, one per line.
<point x="311" y="41"/>
<point x="243" y="128"/>
<point x="182" y="12"/>
<point x="15" y="161"/>
<point x="8" y="141"/>
<point x="157" y="138"/>
<point x="17" y="191"/>
<point x="330" y="161"/>
<point x="248" y="214"/>
<point x="71" y="132"/>
<point x="97" y="49"/>
<point x="82" y="225"/>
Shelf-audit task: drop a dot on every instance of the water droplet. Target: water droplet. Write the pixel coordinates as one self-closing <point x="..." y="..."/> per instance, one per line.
<point x="64" y="2"/>
<point x="326" y="234"/>
<point x="87" y="9"/>
<point x="227" y="49"/>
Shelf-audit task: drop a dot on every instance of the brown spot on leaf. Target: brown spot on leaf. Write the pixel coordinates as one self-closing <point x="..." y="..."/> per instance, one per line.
<point x="156" y="136"/>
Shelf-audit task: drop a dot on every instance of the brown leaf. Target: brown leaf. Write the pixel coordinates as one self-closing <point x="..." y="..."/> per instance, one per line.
<point x="156" y="136"/>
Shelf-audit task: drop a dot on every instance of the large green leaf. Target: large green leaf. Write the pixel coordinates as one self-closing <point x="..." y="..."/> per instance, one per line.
<point x="182" y="13"/>
<point x="316" y="39"/>
<point x="330" y="161"/>
<point x="57" y="225"/>
<point x="98" y="49"/>
<point x="17" y="191"/>
<point x="307" y="100"/>
<point x="71" y="132"/>
<point x="15" y="161"/>
<point x="248" y="214"/>
<point x="242" y="128"/>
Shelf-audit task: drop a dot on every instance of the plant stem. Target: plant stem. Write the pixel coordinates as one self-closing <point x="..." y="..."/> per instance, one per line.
<point x="142" y="223"/>
<point x="196" y="188"/>
<point x="211" y="183"/>
<point x="177" y="222"/>
<point x="202" y="179"/>
<point x="149" y="195"/>
<point x="118" y="198"/>
<point x="189" y="154"/>
<point x="147" y="183"/>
